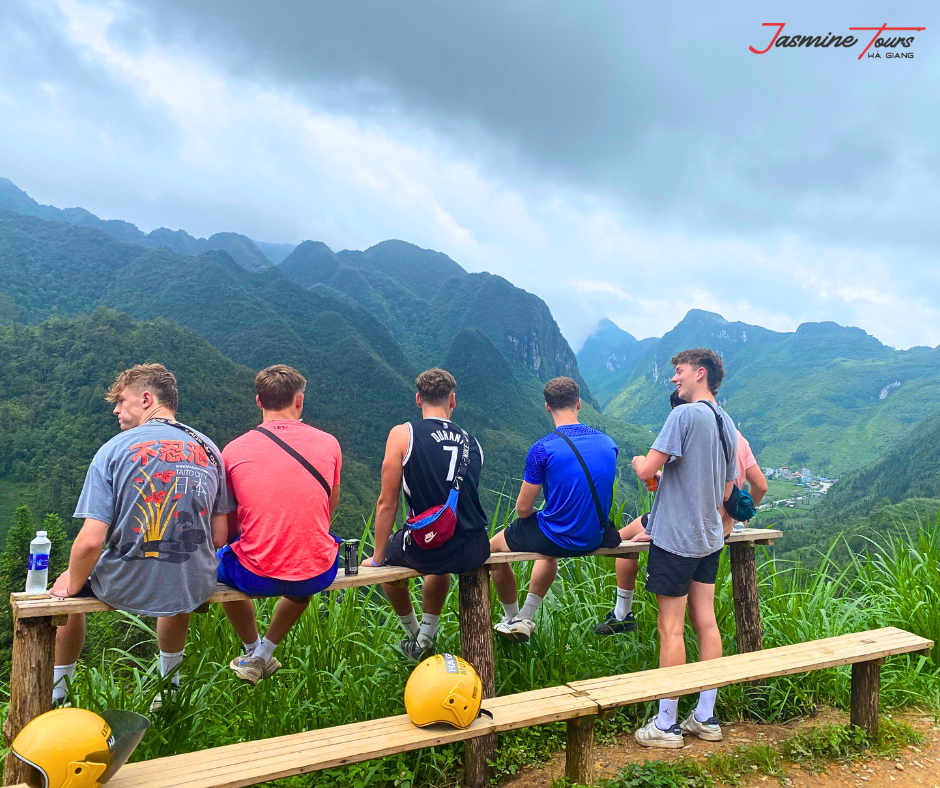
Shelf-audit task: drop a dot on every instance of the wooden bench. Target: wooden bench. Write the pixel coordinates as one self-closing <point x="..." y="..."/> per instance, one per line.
<point x="864" y="651"/>
<point x="253" y="762"/>
<point x="36" y="616"/>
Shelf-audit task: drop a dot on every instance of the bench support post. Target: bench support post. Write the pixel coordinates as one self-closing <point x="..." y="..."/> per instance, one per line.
<point x="748" y="629"/>
<point x="579" y="752"/>
<point x="30" y="686"/>
<point x="476" y="643"/>
<point x="866" y="685"/>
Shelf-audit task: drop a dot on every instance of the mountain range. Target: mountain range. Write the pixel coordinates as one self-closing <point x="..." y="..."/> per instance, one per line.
<point x="359" y="348"/>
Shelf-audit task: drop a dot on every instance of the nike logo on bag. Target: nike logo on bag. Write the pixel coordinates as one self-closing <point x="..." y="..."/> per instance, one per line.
<point x="430" y="536"/>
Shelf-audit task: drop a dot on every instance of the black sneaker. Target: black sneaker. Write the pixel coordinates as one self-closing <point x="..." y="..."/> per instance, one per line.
<point x="414" y="651"/>
<point x="611" y="625"/>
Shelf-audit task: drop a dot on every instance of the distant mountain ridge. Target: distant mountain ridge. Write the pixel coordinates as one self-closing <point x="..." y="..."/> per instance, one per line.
<point x="243" y="250"/>
<point x="827" y="396"/>
<point x="608" y="357"/>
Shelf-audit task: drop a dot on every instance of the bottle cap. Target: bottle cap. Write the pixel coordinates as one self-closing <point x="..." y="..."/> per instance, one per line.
<point x="40" y="533"/>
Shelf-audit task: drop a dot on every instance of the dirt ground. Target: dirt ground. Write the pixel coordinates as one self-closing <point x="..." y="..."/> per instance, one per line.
<point x="915" y="767"/>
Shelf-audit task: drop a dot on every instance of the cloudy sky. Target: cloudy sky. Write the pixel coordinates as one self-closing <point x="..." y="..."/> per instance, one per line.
<point x="615" y="158"/>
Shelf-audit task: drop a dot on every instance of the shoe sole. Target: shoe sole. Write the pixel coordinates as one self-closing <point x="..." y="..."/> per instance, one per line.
<point x="514" y="637"/>
<point x="622" y="631"/>
<point x="705" y="735"/>
<point x="660" y="743"/>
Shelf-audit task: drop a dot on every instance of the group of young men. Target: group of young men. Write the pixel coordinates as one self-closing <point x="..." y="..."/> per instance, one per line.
<point x="167" y="515"/>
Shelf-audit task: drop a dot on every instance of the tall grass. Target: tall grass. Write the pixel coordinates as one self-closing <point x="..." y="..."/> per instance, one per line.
<point x="341" y="665"/>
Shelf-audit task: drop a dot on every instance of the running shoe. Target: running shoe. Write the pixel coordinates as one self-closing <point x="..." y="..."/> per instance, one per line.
<point x="651" y="736"/>
<point x="253" y="669"/>
<point x="709" y="730"/>
<point x="163" y="697"/>
<point x="415" y="651"/>
<point x="516" y="630"/>
<point x="611" y="625"/>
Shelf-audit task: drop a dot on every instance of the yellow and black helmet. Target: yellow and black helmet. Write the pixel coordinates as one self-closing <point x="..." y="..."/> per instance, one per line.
<point x="75" y="748"/>
<point x="443" y="688"/>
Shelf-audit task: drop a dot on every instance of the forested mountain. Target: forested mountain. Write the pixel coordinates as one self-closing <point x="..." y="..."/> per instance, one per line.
<point x="425" y="299"/>
<point x="826" y="396"/>
<point x="608" y="357"/>
<point x="53" y="416"/>
<point x="243" y="250"/>
<point x="910" y="470"/>
<point x="360" y="373"/>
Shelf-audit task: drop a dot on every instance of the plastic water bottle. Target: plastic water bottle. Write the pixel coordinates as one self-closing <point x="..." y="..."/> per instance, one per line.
<point x="37" y="575"/>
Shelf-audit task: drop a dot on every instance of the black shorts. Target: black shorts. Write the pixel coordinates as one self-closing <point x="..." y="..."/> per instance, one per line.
<point x="461" y="553"/>
<point x="525" y="535"/>
<point x="668" y="574"/>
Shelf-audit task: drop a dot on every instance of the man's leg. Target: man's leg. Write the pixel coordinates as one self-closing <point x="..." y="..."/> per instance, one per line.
<point x="399" y="596"/>
<point x="702" y="617"/>
<point x="433" y="597"/>
<point x="626" y="569"/>
<point x="544" y="572"/>
<point x="504" y="579"/>
<point x="671" y="624"/>
<point x="68" y="647"/>
<point x="241" y="615"/>
<point x="171" y="638"/>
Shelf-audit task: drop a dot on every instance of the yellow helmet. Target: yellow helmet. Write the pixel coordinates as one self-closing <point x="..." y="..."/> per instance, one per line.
<point x="443" y="688"/>
<point x="75" y="748"/>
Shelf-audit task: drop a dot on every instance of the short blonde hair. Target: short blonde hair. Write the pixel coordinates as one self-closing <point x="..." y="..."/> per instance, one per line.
<point x="155" y="378"/>
<point x="277" y="386"/>
<point x="435" y="386"/>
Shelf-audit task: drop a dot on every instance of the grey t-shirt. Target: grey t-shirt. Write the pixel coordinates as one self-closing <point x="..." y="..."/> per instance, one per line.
<point x="156" y="489"/>
<point x="685" y="518"/>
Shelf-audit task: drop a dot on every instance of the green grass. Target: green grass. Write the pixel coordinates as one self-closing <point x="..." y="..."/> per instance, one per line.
<point x="341" y="666"/>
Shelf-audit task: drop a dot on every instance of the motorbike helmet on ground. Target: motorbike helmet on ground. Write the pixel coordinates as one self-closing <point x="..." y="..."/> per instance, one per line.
<point x="76" y="748"/>
<point x="443" y="688"/>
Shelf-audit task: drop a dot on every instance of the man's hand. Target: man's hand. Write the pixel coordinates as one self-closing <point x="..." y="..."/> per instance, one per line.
<point x="638" y="458"/>
<point x="642" y="537"/>
<point x="60" y="587"/>
<point x="370" y="561"/>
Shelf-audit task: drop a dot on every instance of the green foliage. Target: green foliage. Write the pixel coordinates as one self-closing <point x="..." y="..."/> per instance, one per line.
<point x="683" y="773"/>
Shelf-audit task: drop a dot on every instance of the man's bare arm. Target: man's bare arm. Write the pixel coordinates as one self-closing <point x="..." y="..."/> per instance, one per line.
<point x="219" y="525"/>
<point x="387" y="507"/>
<point x="86" y="550"/>
<point x="334" y="500"/>
<point x="647" y="466"/>
<point x="525" y="503"/>
<point x="755" y="477"/>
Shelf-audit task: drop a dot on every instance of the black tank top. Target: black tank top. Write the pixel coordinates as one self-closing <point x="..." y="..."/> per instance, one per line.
<point x="434" y="449"/>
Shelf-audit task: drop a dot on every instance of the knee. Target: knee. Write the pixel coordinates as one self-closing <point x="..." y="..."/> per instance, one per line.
<point x="498" y="543"/>
<point x="298" y="600"/>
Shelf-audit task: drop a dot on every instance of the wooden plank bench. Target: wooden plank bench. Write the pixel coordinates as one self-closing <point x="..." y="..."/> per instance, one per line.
<point x="864" y="651"/>
<point x="248" y="763"/>
<point x="36" y="616"/>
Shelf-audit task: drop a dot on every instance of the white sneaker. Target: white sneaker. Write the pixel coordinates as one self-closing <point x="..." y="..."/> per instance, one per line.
<point x="651" y="736"/>
<point x="252" y="669"/>
<point x="709" y="730"/>
<point x="163" y="696"/>
<point x="517" y="630"/>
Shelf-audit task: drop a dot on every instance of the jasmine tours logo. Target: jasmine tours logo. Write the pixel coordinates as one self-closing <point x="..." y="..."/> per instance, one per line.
<point x="889" y="44"/>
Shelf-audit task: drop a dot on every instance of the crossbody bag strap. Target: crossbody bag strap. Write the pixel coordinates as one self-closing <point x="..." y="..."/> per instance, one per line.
<point x="299" y="457"/>
<point x="464" y="461"/>
<point x="587" y="474"/>
<point x="721" y="429"/>
<point x="192" y="434"/>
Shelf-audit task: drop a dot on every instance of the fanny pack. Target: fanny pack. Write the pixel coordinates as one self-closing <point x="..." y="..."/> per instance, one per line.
<point x="740" y="505"/>
<point x="433" y="527"/>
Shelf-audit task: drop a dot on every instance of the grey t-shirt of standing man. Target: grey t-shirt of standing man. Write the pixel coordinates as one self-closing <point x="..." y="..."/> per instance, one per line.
<point x="684" y="519"/>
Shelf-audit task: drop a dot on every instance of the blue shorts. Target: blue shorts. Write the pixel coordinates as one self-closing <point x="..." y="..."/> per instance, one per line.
<point x="233" y="574"/>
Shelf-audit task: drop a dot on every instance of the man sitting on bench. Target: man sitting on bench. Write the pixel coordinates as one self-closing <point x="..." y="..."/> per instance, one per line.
<point x="685" y="531"/>
<point x="285" y="477"/>
<point x="576" y="465"/>
<point x="424" y="456"/>
<point x="154" y="504"/>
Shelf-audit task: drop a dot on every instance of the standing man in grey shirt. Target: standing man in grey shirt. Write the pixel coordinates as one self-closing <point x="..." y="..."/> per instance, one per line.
<point x="686" y="535"/>
<point x="155" y="507"/>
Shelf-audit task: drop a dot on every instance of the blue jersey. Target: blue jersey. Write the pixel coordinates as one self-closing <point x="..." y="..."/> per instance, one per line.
<point x="569" y="518"/>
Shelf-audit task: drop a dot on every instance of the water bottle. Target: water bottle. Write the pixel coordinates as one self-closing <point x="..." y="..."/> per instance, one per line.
<point x="37" y="575"/>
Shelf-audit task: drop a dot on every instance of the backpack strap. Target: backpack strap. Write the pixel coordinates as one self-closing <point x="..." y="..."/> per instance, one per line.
<point x="299" y="457"/>
<point x="597" y="501"/>
<point x="721" y="429"/>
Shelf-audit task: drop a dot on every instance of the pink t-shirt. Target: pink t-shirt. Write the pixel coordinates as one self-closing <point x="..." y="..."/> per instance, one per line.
<point x="745" y="460"/>
<point x="283" y="511"/>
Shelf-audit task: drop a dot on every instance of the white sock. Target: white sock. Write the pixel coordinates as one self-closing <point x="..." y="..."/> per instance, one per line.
<point x="510" y="611"/>
<point x="706" y="705"/>
<point x="249" y="648"/>
<point x="532" y="603"/>
<point x="168" y="664"/>
<point x="410" y="624"/>
<point x="624" y="604"/>
<point x="667" y="713"/>
<point x="59" y="672"/>
<point x="427" y="632"/>
<point x="264" y="649"/>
